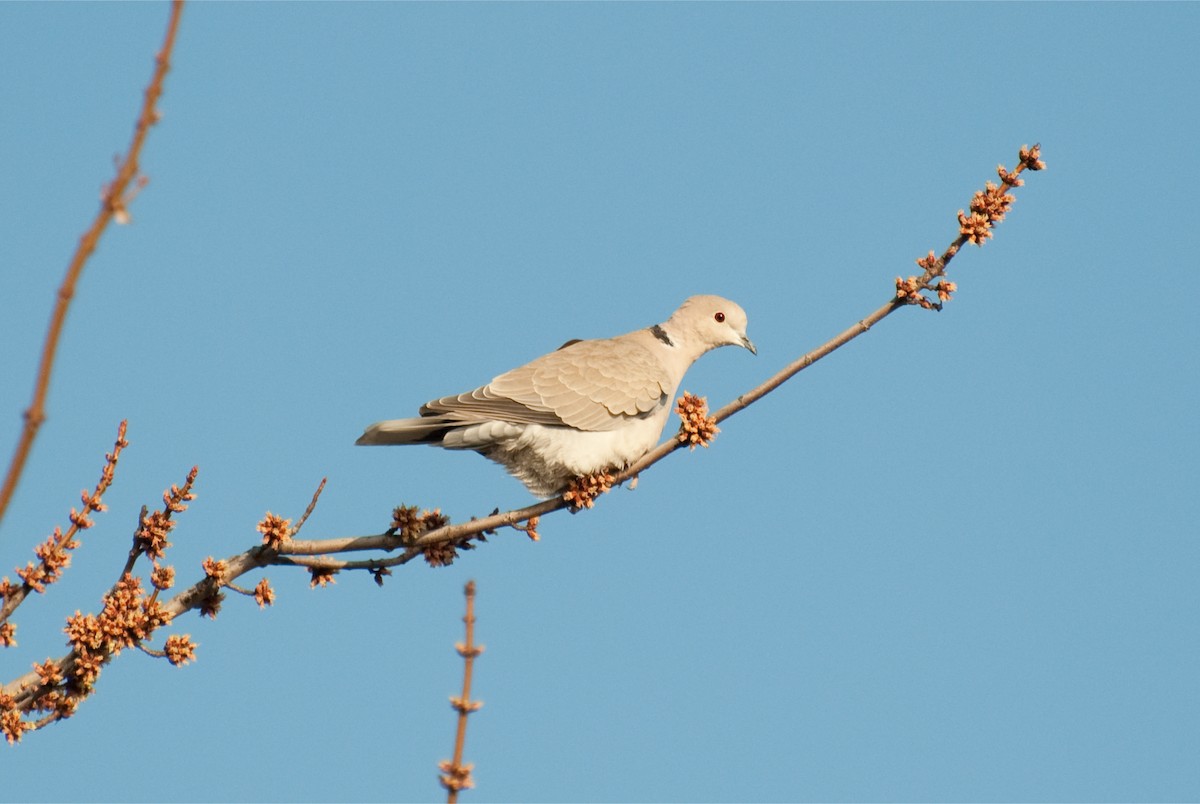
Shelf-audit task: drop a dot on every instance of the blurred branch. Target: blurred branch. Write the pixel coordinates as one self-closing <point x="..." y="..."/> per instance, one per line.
<point x="455" y="775"/>
<point x="113" y="204"/>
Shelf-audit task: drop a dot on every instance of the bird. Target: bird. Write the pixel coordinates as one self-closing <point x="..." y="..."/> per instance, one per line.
<point x="588" y="407"/>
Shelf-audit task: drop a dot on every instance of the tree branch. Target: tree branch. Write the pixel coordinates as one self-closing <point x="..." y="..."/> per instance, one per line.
<point x="112" y="205"/>
<point x="427" y="533"/>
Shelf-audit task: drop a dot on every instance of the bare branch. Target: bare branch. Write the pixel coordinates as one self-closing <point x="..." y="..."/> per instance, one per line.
<point x="311" y="505"/>
<point x="113" y="205"/>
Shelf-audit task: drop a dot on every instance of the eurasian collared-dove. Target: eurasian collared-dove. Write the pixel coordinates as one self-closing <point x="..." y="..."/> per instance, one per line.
<point x="588" y="407"/>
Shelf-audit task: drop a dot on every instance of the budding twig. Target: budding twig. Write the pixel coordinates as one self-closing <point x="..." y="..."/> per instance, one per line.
<point x="455" y="775"/>
<point x="54" y="554"/>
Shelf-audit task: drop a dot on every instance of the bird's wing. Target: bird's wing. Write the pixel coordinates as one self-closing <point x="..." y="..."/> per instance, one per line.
<point x="588" y="385"/>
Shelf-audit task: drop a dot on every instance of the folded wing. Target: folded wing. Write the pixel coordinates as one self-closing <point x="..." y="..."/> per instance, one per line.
<point x="588" y="385"/>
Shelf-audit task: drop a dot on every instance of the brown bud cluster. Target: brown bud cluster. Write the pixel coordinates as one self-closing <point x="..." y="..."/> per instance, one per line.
<point x="155" y="527"/>
<point x="264" y="595"/>
<point x="1030" y="158"/>
<point x="152" y="535"/>
<point x="49" y="673"/>
<point x="321" y="577"/>
<point x="61" y="703"/>
<point x="975" y="227"/>
<point x="909" y="291"/>
<point x="217" y="570"/>
<point x="944" y="289"/>
<point x="11" y="724"/>
<point x="180" y="649"/>
<point x="992" y="202"/>
<point x="128" y="618"/>
<point x="441" y="554"/>
<point x="410" y="523"/>
<point x="163" y="578"/>
<point x="456" y="777"/>
<point x="275" y="530"/>
<point x="696" y="427"/>
<point x="530" y="528"/>
<point x="932" y="264"/>
<point x="210" y="605"/>
<point x="583" y="491"/>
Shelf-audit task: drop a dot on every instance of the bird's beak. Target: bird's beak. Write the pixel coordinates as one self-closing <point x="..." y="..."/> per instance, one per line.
<point x="749" y="344"/>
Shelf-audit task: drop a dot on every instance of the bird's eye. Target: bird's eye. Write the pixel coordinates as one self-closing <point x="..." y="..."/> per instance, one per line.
<point x="720" y="317"/>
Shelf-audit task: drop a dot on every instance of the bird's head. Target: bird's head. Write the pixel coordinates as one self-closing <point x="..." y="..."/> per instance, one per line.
<point x="706" y="322"/>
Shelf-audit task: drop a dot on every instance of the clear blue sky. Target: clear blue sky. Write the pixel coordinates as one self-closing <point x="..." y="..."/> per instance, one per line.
<point x="957" y="560"/>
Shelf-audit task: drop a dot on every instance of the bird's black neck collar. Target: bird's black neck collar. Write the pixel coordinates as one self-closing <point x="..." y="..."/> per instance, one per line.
<point x="660" y="333"/>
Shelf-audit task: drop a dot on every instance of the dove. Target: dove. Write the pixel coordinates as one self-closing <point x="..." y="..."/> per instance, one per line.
<point x="590" y="406"/>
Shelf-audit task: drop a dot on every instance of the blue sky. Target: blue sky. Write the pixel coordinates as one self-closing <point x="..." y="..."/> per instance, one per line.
<point x="956" y="560"/>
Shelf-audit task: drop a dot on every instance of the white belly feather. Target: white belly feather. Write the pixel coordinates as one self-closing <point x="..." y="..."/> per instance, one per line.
<point x="547" y="458"/>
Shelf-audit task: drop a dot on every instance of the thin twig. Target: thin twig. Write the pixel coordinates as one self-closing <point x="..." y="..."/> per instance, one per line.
<point x="311" y="505"/>
<point x="113" y="204"/>
<point x="150" y="537"/>
<point x="455" y="775"/>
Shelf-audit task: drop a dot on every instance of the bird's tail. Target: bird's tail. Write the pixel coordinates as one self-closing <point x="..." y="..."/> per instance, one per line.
<point x="422" y="430"/>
